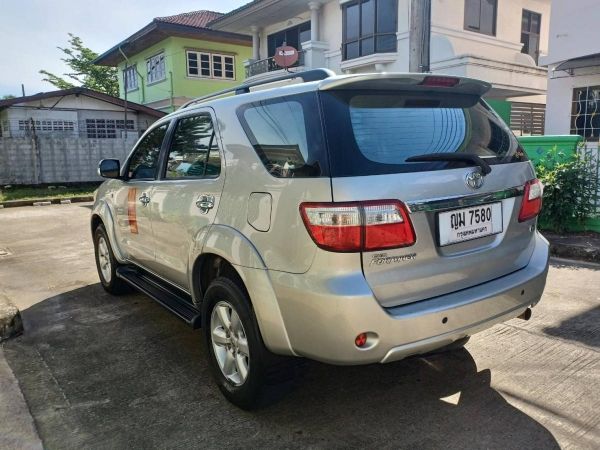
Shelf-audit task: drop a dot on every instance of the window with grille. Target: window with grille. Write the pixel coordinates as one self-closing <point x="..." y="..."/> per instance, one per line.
<point x="480" y="16"/>
<point x="46" y="125"/>
<point x="130" y="80"/>
<point x="585" y="112"/>
<point x="530" y="34"/>
<point x="155" y="67"/>
<point x="210" y="65"/>
<point x="105" y="128"/>
<point x="369" y="27"/>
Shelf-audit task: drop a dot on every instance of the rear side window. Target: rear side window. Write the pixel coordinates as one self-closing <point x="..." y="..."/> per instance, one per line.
<point x="374" y="133"/>
<point x="144" y="160"/>
<point x="194" y="152"/>
<point x="287" y="135"/>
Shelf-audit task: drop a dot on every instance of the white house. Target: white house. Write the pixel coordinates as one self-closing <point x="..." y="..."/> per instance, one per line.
<point x="76" y="112"/>
<point x="574" y="69"/>
<point x="499" y="41"/>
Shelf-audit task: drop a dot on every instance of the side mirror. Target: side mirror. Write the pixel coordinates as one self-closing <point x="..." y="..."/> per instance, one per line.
<point x="109" y="168"/>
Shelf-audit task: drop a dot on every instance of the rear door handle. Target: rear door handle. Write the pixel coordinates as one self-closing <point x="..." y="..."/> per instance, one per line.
<point x="144" y="199"/>
<point x="205" y="203"/>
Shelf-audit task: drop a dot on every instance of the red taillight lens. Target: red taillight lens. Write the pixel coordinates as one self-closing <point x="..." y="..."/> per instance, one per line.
<point x="440" y="81"/>
<point x="532" y="200"/>
<point x="360" y="226"/>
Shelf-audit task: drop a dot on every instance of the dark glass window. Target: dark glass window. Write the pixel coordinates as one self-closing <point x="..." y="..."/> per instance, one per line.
<point x="480" y="16"/>
<point x="144" y="160"/>
<point x="373" y="133"/>
<point x="585" y="117"/>
<point x="293" y="36"/>
<point x="369" y="27"/>
<point x="287" y="135"/>
<point x="194" y="151"/>
<point x="530" y="34"/>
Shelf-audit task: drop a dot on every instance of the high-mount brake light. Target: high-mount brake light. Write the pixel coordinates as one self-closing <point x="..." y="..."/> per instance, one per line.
<point x="434" y="81"/>
<point x="532" y="200"/>
<point x="358" y="226"/>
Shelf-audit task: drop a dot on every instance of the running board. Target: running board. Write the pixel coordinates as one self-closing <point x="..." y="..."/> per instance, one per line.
<point x="175" y="300"/>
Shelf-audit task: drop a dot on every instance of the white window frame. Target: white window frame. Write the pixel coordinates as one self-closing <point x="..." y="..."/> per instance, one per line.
<point x="130" y="79"/>
<point x="211" y="60"/>
<point x="157" y="61"/>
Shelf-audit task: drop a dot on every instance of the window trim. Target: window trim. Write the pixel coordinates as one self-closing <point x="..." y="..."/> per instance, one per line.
<point x="150" y="83"/>
<point x="169" y="140"/>
<point x="495" y="21"/>
<point x="125" y="166"/>
<point x="360" y="37"/>
<point x="210" y="60"/>
<point x="132" y="67"/>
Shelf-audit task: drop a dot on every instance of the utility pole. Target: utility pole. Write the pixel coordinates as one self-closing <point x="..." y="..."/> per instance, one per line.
<point x="419" y="35"/>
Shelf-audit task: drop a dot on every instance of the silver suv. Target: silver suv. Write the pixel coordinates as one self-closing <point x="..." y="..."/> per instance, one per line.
<point x="348" y="219"/>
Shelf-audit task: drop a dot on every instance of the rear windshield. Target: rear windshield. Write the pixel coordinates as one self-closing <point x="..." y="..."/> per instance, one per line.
<point x="372" y="133"/>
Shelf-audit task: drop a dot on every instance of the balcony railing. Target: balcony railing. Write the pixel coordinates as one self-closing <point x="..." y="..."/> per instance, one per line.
<point x="268" y="65"/>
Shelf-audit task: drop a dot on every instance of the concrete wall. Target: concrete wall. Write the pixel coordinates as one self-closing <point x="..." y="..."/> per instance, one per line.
<point x="57" y="160"/>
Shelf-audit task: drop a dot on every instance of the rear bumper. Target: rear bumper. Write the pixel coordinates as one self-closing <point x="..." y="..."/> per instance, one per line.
<point x="323" y="315"/>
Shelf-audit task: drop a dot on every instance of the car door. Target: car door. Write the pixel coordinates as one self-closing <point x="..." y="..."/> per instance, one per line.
<point x="132" y="199"/>
<point x="186" y="197"/>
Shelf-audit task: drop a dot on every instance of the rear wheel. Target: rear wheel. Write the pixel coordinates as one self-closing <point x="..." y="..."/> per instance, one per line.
<point x="107" y="264"/>
<point x="247" y="374"/>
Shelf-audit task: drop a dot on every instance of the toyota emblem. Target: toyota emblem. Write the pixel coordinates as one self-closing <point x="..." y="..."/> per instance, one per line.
<point x="474" y="179"/>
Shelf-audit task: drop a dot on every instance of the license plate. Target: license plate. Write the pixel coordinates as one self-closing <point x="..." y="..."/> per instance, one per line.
<point x="464" y="224"/>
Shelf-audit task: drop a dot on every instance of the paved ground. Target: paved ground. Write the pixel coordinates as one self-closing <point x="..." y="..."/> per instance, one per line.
<point x="104" y="372"/>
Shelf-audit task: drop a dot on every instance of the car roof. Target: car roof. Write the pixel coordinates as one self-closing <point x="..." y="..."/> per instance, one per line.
<point x="371" y="81"/>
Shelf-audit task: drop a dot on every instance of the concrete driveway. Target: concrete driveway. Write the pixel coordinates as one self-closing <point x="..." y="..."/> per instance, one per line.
<point x="105" y="372"/>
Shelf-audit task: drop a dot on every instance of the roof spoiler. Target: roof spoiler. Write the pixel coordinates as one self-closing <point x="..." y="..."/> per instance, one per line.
<point x="408" y="82"/>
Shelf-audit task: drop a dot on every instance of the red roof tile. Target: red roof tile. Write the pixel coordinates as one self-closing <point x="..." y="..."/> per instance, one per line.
<point x="194" y="18"/>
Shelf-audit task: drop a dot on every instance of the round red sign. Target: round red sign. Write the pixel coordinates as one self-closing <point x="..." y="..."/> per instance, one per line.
<point x="285" y="56"/>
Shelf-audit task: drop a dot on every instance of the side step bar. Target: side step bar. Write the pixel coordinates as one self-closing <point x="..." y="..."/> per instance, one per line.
<point x="176" y="301"/>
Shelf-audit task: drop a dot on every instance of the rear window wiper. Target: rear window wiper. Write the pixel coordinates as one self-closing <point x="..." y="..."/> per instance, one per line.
<point x="463" y="157"/>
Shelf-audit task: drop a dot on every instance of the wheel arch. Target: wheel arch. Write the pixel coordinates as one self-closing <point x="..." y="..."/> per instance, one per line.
<point x="102" y="215"/>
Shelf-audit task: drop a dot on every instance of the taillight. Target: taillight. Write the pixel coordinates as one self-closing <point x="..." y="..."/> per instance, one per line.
<point x="532" y="200"/>
<point x="358" y="226"/>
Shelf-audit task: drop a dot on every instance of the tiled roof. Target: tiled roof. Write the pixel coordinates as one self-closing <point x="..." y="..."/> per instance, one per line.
<point x="237" y="10"/>
<point x="193" y="19"/>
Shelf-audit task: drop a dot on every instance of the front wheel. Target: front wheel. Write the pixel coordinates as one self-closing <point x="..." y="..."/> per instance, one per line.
<point x="107" y="264"/>
<point x="240" y="363"/>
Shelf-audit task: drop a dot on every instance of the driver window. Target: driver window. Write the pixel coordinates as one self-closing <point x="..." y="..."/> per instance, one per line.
<point x="144" y="161"/>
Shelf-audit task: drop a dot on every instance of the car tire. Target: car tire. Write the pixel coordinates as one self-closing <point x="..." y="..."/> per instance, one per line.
<point x="248" y="374"/>
<point x="107" y="264"/>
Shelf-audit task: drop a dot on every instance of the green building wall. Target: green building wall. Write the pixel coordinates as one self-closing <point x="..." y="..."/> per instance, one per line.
<point x="176" y="83"/>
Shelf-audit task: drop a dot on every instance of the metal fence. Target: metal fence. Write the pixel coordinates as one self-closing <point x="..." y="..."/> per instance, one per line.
<point x="591" y="150"/>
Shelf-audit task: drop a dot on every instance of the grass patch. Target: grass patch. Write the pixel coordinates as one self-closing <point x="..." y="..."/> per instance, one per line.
<point x="44" y="192"/>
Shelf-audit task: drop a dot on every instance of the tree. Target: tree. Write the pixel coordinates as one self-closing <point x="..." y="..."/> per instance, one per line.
<point x="84" y="73"/>
<point x="8" y="97"/>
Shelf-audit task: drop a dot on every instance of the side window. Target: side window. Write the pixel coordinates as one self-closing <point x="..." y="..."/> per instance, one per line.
<point x="144" y="160"/>
<point x="194" y="151"/>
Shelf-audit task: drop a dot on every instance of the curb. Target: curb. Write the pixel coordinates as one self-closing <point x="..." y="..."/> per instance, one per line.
<point x="589" y="254"/>
<point x="47" y="201"/>
<point x="11" y="324"/>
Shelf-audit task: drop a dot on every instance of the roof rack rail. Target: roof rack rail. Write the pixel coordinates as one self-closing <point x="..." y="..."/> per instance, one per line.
<point x="306" y="76"/>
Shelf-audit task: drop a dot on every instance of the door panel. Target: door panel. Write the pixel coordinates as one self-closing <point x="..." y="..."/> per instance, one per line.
<point x="186" y="197"/>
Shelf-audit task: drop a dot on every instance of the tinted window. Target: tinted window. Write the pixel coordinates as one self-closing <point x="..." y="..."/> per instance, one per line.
<point x="287" y="135"/>
<point x="144" y="160"/>
<point x="369" y="27"/>
<point x="374" y="133"/>
<point x="480" y="16"/>
<point x="194" y="151"/>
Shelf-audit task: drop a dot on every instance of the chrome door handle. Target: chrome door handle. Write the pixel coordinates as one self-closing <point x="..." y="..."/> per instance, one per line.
<point x="205" y="203"/>
<point x="144" y="199"/>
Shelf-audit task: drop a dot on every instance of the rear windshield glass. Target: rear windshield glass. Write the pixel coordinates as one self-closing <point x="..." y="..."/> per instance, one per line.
<point x="371" y="133"/>
<point x="287" y="135"/>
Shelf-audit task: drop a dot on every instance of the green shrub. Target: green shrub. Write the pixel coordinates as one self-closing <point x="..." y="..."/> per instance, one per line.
<point x="570" y="188"/>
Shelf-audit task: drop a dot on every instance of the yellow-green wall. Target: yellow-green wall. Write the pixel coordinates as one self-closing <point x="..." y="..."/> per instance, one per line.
<point x="177" y="83"/>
